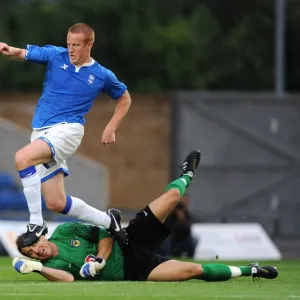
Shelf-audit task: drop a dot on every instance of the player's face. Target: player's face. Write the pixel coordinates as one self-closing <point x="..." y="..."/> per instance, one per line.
<point x="79" y="48"/>
<point x="41" y="250"/>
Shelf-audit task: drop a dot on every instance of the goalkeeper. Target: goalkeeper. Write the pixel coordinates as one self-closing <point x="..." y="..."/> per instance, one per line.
<point x="76" y="251"/>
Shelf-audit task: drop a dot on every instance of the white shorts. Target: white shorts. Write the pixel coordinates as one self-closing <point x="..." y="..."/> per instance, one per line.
<point x="63" y="139"/>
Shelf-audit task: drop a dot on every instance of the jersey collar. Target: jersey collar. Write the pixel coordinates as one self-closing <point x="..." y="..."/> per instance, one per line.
<point x="84" y="65"/>
<point x="89" y="64"/>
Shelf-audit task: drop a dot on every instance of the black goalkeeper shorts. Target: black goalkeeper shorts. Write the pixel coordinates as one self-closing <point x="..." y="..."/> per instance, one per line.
<point x="145" y="235"/>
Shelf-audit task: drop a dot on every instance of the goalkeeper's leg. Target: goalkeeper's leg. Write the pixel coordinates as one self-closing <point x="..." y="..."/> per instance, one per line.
<point x="173" y="270"/>
<point x="164" y="205"/>
<point x="150" y="219"/>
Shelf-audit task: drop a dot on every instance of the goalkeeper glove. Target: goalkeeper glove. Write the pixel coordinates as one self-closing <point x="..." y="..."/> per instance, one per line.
<point x="92" y="266"/>
<point x="26" y="266"/>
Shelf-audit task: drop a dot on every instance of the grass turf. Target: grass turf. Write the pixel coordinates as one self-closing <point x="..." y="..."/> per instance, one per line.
<point x="14" y="286"/>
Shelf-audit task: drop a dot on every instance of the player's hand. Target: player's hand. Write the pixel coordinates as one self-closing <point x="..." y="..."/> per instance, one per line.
<point x="26" y="266"/>
<point x="108" y="136"/>
<point x="90" y="269"/>
<point x="92" y="266"/>
<point x="4" y="49"/>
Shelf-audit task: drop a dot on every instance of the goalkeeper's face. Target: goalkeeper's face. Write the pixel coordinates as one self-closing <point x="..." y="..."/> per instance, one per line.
<point x="41" y="250"/>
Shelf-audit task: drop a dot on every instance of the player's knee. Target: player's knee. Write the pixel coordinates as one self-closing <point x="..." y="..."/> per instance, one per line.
<point x="194" y="271"/>
<point x="174" y="194"/>
<point x="190" y="271"/>
<point x="55" y="206"/>
<point x="21" y="160"/>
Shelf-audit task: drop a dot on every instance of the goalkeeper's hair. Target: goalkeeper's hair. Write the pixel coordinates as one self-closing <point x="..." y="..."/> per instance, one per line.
<point x="20" y="243"/>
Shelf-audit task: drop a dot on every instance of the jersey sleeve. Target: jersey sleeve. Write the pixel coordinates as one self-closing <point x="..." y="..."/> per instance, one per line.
<point x="88" y="232"/>
<point x="42" y="55"/>
<point x="112" y="86"/>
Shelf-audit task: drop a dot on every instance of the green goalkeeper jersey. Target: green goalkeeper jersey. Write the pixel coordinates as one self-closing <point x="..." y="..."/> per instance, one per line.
<point x="75" y="241"/>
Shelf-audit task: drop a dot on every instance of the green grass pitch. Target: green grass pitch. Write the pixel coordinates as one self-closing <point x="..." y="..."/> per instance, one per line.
<point x="14" y="286"/>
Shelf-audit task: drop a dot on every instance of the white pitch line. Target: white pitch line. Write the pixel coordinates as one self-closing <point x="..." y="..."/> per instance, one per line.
<point x="160" y="295"/>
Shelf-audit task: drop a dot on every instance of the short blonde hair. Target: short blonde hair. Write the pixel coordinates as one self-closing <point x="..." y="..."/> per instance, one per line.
<point x="86" y="29"/>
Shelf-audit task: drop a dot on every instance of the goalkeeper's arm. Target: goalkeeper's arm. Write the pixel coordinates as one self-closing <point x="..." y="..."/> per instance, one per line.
<point x="105" y="247"/>
<point x="57" y="275"/>
<point x="26" y="266"/>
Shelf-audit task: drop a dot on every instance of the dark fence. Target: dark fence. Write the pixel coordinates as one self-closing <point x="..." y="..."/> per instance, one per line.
<point x="250" y="168"/>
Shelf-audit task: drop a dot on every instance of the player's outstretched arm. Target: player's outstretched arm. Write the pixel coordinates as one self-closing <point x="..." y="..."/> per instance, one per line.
<point x="122" y="107"/>
<point x="26" y="266"/>
<point x="56" y="275"/>
<point x="13" y="53"/>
